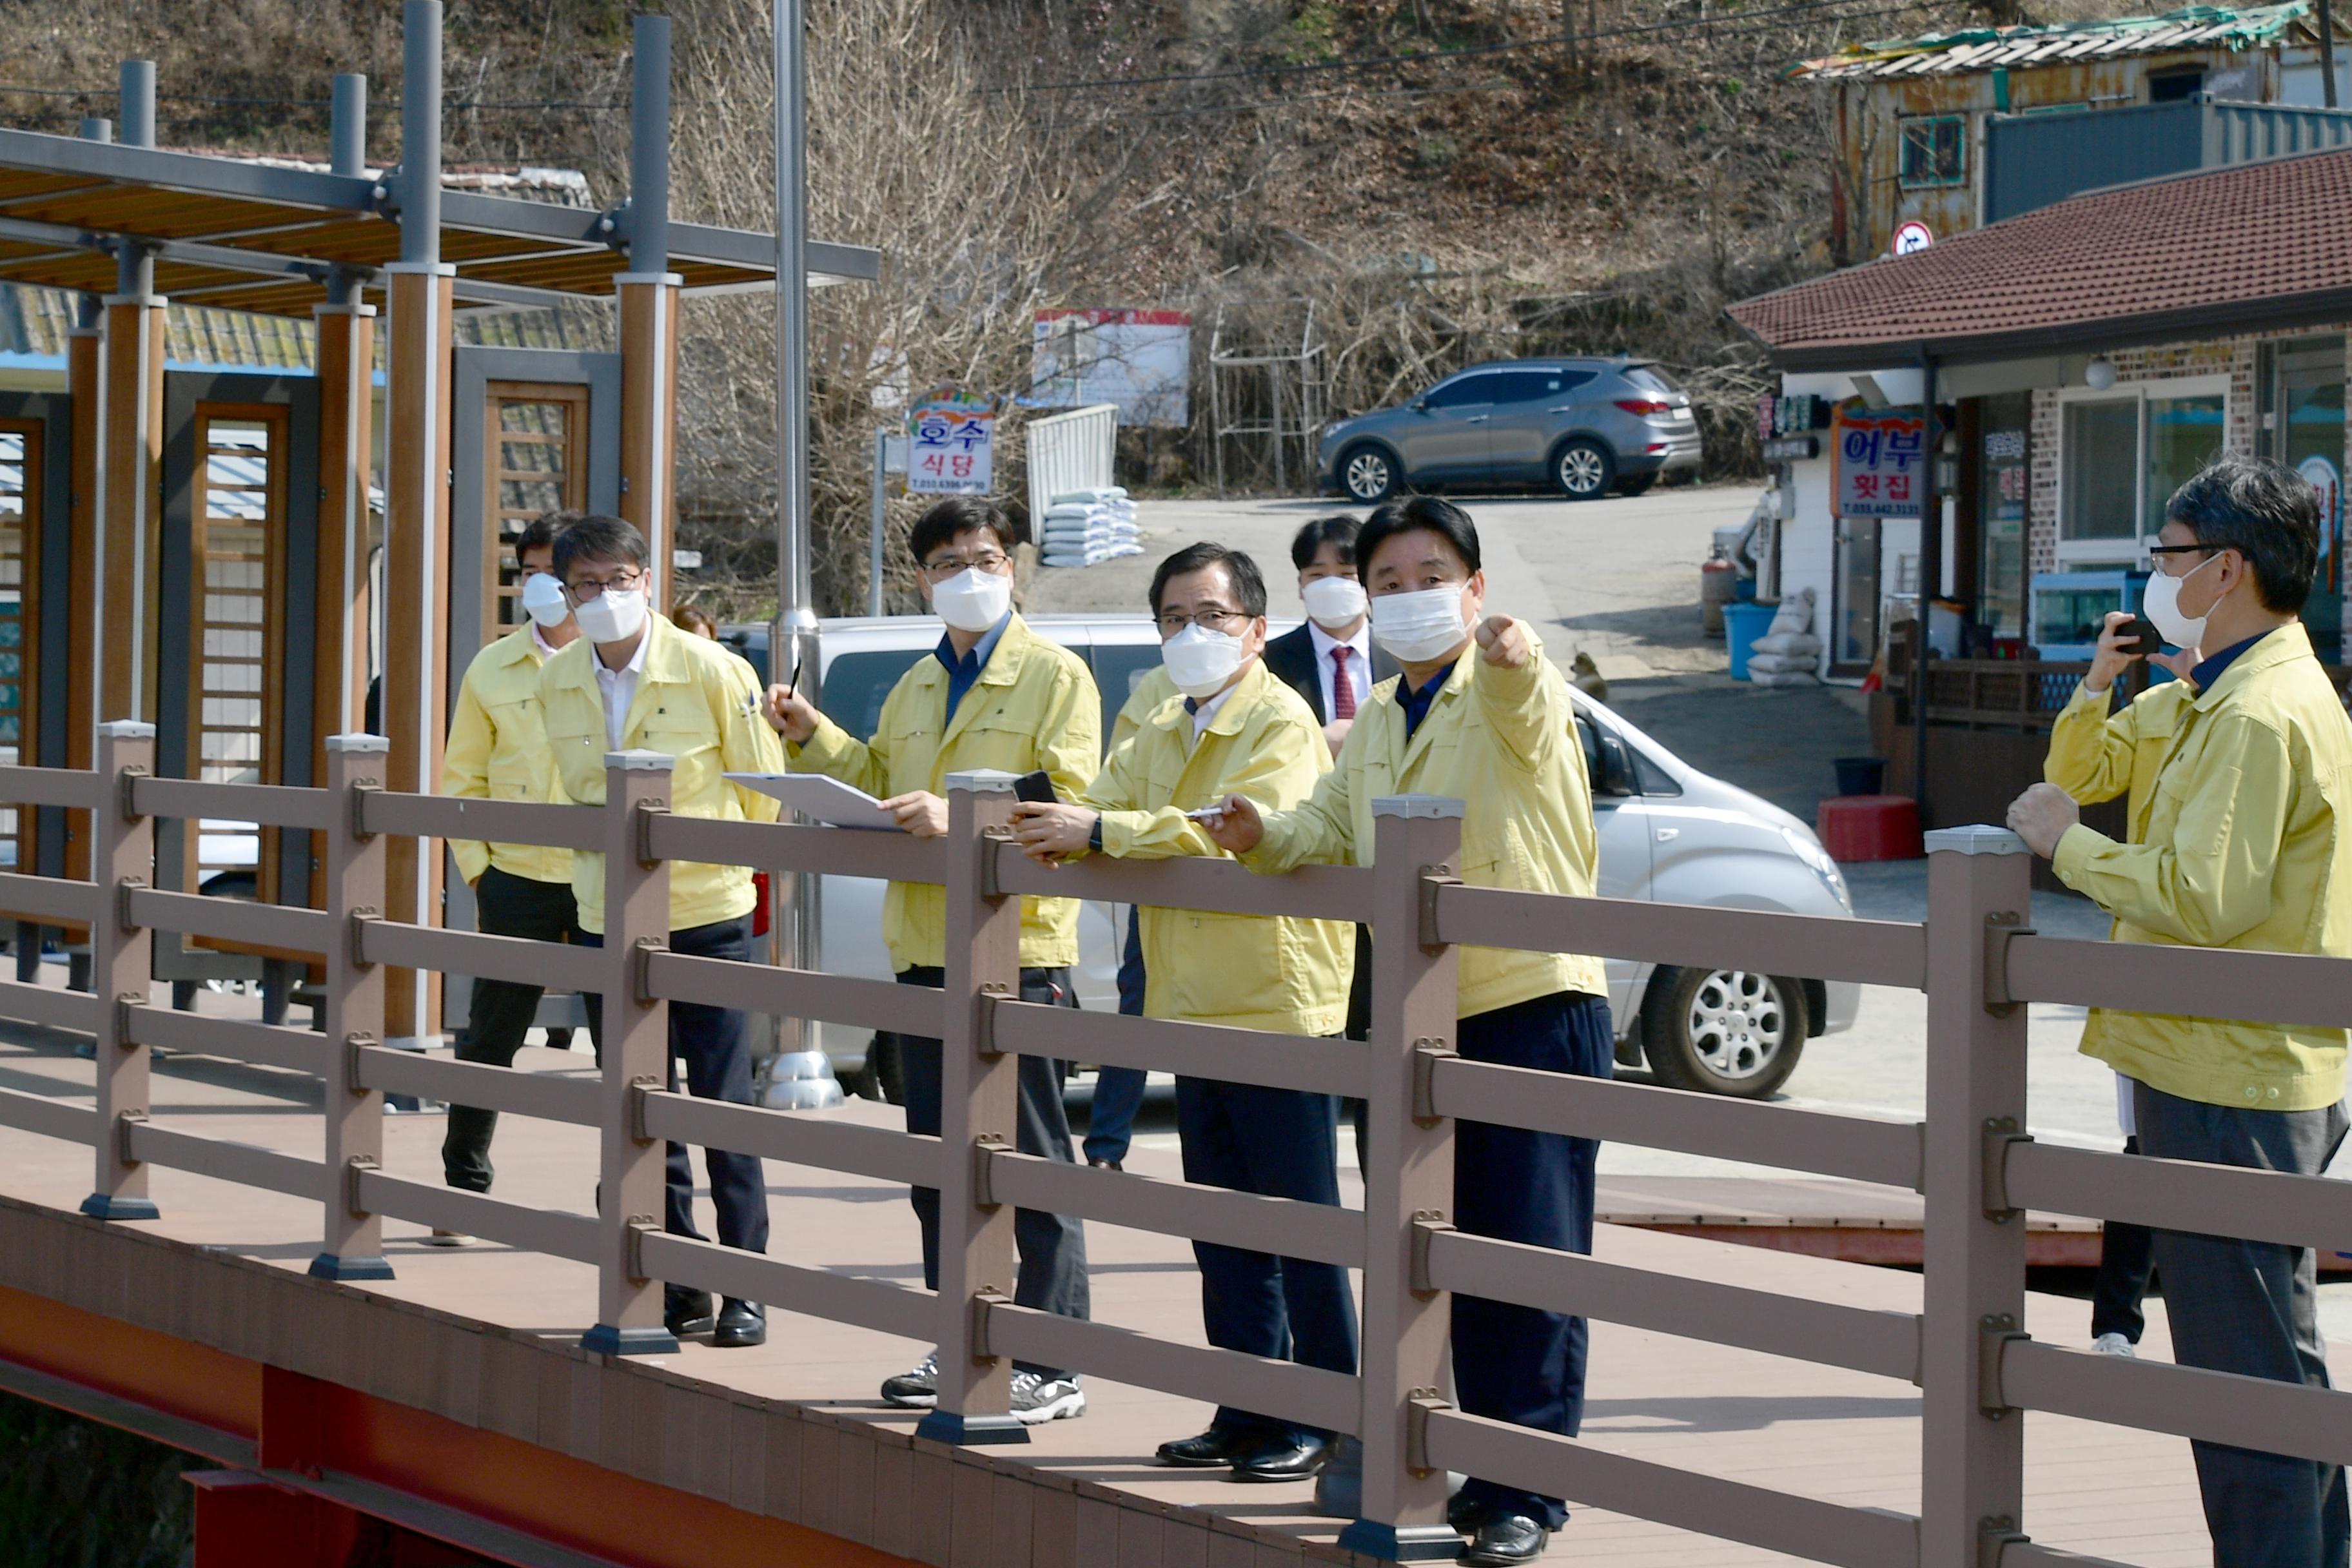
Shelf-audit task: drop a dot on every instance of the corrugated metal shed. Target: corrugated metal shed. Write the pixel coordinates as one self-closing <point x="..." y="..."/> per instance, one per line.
<point x="2033" y="160"/>
<point x="1995" y="49"/>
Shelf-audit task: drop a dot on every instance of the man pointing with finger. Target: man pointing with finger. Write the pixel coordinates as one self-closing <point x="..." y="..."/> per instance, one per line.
<point x="1479" y="715"/>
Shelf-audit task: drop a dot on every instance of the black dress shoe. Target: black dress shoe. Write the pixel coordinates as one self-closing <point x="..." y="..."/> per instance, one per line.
<point x="686" y="1311"/>
<point x="740" y="1324"/>
<point x="1504" y="1539"/>
<point x="1283" y="1459"/>
<point x="1212" y="1449"/>
<point x="1105" y="1164"/>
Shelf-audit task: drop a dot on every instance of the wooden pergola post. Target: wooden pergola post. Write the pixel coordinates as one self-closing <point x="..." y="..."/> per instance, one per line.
<point x="346" y="451"/>
<point x="129" y="541"/>
<point x="416" y="509"/>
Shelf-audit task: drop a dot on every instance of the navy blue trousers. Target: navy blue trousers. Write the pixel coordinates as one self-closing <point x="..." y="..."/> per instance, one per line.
<point x="1119" y="1091"/>
<point x="1279" y="1143"/>
<point x="1051" y="1275"/>
<point x="1514" y="1363"/>
<point x="718" y="1053"/>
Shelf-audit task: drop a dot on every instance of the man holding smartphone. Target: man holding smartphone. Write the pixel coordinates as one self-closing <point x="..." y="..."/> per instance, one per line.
<point x="1226" y="724"/>
<point x="993" y="695"/>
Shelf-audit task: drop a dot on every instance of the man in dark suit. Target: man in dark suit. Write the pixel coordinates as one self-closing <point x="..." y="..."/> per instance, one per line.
<point x="1330" y="661"/>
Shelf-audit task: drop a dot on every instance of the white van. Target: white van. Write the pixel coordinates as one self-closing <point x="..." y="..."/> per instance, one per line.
<point x="1668" y="833"/>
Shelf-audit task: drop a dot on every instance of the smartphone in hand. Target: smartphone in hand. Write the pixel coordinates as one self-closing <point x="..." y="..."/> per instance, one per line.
<point x="2141" y="637"/>
<point x="1034" y="788"/>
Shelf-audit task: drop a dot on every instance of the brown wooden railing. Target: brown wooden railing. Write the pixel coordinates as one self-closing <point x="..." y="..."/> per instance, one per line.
<point x="1978" y="1170"/>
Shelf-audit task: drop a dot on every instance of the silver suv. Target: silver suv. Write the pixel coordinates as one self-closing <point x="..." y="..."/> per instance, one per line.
<point x="1668" y="833"/>
<point x="1580" y="427"/>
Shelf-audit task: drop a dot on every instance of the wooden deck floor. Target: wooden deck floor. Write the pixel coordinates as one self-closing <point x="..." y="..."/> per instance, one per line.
<point x="1839" y="1435"/>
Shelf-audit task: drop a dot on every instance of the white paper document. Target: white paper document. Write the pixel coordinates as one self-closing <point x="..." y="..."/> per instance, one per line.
<point x="819" y="798"/>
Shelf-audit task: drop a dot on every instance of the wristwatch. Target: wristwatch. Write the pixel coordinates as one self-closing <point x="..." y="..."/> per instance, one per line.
<point x="1094" y="837"/>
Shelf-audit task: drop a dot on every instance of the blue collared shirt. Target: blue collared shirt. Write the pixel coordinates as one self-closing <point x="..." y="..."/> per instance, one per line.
<point x="2208" y="670"/>
<point x="1415" y="701"/>
<point x="963" y="672"/>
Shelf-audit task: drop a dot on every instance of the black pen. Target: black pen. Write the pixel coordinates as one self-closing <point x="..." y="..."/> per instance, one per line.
<point x="795" y="689"/>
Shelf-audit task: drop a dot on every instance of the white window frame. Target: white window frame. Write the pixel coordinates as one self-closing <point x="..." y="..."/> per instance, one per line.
<point x="2090" y="554"/>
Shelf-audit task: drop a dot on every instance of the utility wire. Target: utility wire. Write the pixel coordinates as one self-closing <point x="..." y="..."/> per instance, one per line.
<point x="1731" y="22"/>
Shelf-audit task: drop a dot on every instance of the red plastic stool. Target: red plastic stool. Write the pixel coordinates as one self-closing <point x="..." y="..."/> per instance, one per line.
<point x="1870" y="827"/>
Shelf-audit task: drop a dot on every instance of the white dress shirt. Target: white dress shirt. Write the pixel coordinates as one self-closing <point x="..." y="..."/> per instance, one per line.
<point x="1204" y="711"/>
<point x="1359" y="663"/>
<point x="620" y="688"/>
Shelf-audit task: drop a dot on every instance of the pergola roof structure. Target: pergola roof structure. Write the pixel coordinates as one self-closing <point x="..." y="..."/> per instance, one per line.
<point x="259" y="238"/>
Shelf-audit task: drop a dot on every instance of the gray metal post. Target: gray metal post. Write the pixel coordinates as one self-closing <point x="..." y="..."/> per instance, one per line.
<point x="979" y="1105"/>
<point x="347" y="135"/>
<point x="649" y="147"/>
<point x="420" y="130"/>
<point x="1407" y="1185"/>
<point x="352" y="1248"/>
<point x="1972" y="1457"/>
<point x="134" y="264"/>
<point x="636" y="1053"/>
<point x="795" y="613"/>
<point x="347" y="142"/>
<point x="874" y="538"/>
<point x="86" y="310"/>
<point x="122" y="856"/>
<point x="2327" y="54"/>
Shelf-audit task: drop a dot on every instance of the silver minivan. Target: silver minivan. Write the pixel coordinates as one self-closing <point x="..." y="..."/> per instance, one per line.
<point x="1668" y="833"/>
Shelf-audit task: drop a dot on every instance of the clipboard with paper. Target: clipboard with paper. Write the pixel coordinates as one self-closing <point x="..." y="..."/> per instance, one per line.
<point x="821" y="799"/>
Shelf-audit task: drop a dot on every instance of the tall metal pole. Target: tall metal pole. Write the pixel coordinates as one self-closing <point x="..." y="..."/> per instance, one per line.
<point x="795" y="615"/>
<point x="2327" y="54"/>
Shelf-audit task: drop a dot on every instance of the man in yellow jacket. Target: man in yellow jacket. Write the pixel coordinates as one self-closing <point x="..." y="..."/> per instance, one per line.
<point x="994" y="694"/>
<point x="2245" y="844"/>
<point x="1480" y="715"/>
<point x="497" y="750"/>
<point x="1235" y="727"/>
<point x="634" y="681"/>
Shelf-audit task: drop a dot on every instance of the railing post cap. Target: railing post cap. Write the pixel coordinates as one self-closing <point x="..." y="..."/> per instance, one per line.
<point x="641" y="762"/>
<point x="983" y="781"/>
<point x="1429" y="805"/>
<point x="359" y="743"/>
<point x="127" y="730"/>
<point x="1980" y="840"/>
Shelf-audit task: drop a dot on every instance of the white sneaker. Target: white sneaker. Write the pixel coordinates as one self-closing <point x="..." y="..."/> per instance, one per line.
<point x="2115" y="1344"/>
<point x="1037" y="1400"/>
<point x="917" y="1388"/>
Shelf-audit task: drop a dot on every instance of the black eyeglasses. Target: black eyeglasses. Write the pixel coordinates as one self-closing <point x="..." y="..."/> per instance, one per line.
<point x="2182" y="549"/>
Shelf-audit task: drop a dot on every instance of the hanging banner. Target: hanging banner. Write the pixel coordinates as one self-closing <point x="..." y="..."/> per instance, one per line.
<point x="1881" y="462"/>
<point x="951" y="445"/>
<point x="1140" y="360"/>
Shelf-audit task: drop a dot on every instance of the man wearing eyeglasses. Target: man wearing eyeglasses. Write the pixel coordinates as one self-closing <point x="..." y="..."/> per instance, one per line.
<point x="1235" y="727"/>
<point x="635" y="681"/>
<point x="993" y="695"/>
<point x="2243" y="843"/>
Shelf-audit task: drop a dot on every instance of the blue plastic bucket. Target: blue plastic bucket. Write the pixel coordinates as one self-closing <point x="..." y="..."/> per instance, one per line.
<point x="1742" y="625"/>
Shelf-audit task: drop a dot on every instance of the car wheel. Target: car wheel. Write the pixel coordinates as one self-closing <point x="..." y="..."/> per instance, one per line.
<point x="886" y="1066"/>
<point x="1583" y="469"/>
<point x="1368" y="473"/>
<point x="1723" y="1031"/>
<point x="1631" y="488"/>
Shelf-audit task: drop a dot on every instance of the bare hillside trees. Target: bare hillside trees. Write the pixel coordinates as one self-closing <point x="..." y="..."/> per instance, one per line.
<point x="976" y="215"/>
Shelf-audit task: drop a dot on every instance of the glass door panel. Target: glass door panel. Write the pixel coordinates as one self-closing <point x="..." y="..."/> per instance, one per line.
<point x="2311" y="441"/>
<point x="536" y="441"/>
<point x="233" y="668"/>
<point x="1854" y="615"/>
<point x="20" y="510"/>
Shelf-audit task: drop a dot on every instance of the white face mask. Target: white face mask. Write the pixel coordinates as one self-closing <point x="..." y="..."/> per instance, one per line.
<point x="1333" y="602"/>
<point x="1417" y="628"/>
<point x="613" y="618"/>
<point x="543" y="601"/>
<point x="2162" y="606"/>
<point x="972" y="600"/>
<point x="1201" y="661"/>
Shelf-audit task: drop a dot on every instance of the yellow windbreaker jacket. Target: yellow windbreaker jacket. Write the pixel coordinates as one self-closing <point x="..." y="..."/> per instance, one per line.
<point x="697" y="703"/>
<point x="1501" y="742"/>
<point x="1249" y="971"/>
<point x="497" y="750"/>
<point x="1034" y="706"/>
<point x="2243" y="844"/>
